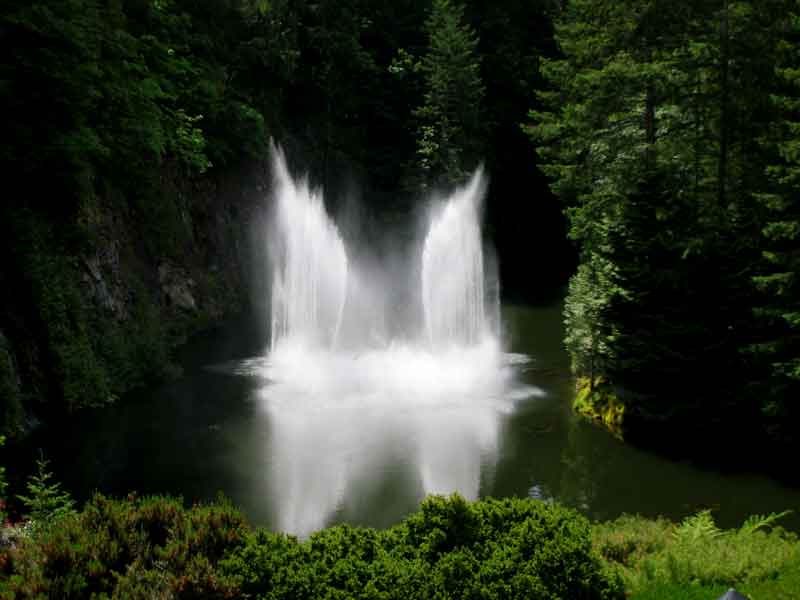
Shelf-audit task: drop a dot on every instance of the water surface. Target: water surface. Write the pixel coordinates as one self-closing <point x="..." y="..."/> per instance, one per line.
<point x="297" y="466"/>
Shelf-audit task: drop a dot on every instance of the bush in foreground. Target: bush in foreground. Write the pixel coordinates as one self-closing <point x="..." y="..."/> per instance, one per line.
<point x="132" y="548"/>
<point x="450" y="548"/>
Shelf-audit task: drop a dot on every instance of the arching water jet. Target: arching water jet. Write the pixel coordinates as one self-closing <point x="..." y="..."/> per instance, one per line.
<point x="454" y="297"/>
<point x="309" y="265"/>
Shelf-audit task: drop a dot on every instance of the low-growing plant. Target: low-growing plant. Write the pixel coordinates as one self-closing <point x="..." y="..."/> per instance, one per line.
<point x="132" y="548"/>
<point x="629" y="538"/>
<point x="656" y="555"/>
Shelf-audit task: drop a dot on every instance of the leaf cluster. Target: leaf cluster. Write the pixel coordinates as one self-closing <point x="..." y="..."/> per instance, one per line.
<point x="697" y="554"/>
<point x="449" y="549"/>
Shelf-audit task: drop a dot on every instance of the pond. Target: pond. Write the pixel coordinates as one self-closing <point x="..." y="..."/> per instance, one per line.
<point x="299" y="467"/>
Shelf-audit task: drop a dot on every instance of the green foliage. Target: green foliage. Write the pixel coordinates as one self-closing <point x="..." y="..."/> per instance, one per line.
<point x="133" y="548"/>
<point x="584" y="310"/>
<point x="671" y="591"/>
<point x="656" y="556"/>
<point x="45" y="503"/>
<point x="628" y="539"/>
<point x="755" y="522"/>
<point x="449" y="549"/>
<point x="596" y="399"/>
<point x="63" y="323"/>
<point x="3" y="485"/>
<point x="778" y="309"/>
<point x="697" y="529"/>
<point x="648" y="133"/>
<point x="153" y="547"/>
<point x="450" y="132"/>
<point x="136" y="352"/>
<point x="141" y="98"/>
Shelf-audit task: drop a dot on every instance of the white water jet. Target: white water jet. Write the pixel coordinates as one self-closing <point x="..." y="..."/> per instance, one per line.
<point x="309" y="265"/>
<point x="453" y="292"/>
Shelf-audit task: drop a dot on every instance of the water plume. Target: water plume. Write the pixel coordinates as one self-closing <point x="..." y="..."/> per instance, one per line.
<point x="309" y="265"/>
<point x="362" y="369"/>
<point x="453" y="276"/>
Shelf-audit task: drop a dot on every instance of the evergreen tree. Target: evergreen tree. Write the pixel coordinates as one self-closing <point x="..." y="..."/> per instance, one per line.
<point x="649" y="140"/>
<point x="450" y="135"/>
<point x="45" y="501"/>
<point x="778" y="279"/>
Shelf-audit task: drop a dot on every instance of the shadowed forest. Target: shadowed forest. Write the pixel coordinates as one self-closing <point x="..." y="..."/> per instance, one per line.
<point x="665" y="133"/>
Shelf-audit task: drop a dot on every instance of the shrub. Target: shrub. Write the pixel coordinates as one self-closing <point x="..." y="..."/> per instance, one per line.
<point x="449" y="549"/>
<point x="628" y="539"/>
<point x="132" y="548"/>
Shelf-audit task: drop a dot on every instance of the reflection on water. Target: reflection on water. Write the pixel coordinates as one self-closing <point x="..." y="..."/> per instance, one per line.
<point x="321" y="457"/>
<point x="339" y="421"/>
<point x="361" y="455"/>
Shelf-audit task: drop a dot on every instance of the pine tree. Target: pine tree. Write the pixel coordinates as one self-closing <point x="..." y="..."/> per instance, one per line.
<point x="778" y="280"/>
<point x="45" y="501"/>
<point x="450" y="133"/>
<point x="648" y="138"/>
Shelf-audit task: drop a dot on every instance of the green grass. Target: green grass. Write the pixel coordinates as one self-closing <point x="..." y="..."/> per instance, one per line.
<point x="786" y="586"/>
<point x="673" y="591"/>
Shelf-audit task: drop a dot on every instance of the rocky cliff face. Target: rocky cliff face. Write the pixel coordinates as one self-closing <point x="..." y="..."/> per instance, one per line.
<point x="95" y="324"/>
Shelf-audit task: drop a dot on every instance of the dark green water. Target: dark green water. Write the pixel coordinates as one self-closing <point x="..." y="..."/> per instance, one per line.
<point x="299" y="470"/>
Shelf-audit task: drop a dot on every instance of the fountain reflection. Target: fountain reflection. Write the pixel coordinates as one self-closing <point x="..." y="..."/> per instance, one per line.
<point x="340" y="423"/>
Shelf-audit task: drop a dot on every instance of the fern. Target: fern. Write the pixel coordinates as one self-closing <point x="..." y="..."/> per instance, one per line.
<point x="697" y="528"/>
<point x="756" y="522"/>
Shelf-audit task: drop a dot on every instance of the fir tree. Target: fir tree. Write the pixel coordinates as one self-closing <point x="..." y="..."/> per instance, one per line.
<point x="778" y="279"/>
<point x="450" y="132"/>
<point x="648" y="138"/>
<point x="45" y="501"/>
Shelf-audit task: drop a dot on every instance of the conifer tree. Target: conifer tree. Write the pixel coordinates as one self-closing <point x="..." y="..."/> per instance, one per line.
<point x="450" y="132"/>
<point x="648" y="138"/>
<point x="778" y="279"/>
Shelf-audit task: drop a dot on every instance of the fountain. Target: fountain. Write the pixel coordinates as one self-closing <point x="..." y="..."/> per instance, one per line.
<point x="342" y="394"/>
<point x="314" y="281"/>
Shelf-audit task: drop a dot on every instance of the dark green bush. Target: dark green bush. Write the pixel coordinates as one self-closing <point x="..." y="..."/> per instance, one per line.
<point x="489" y="549"/>
<point x="155" y="548"/>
